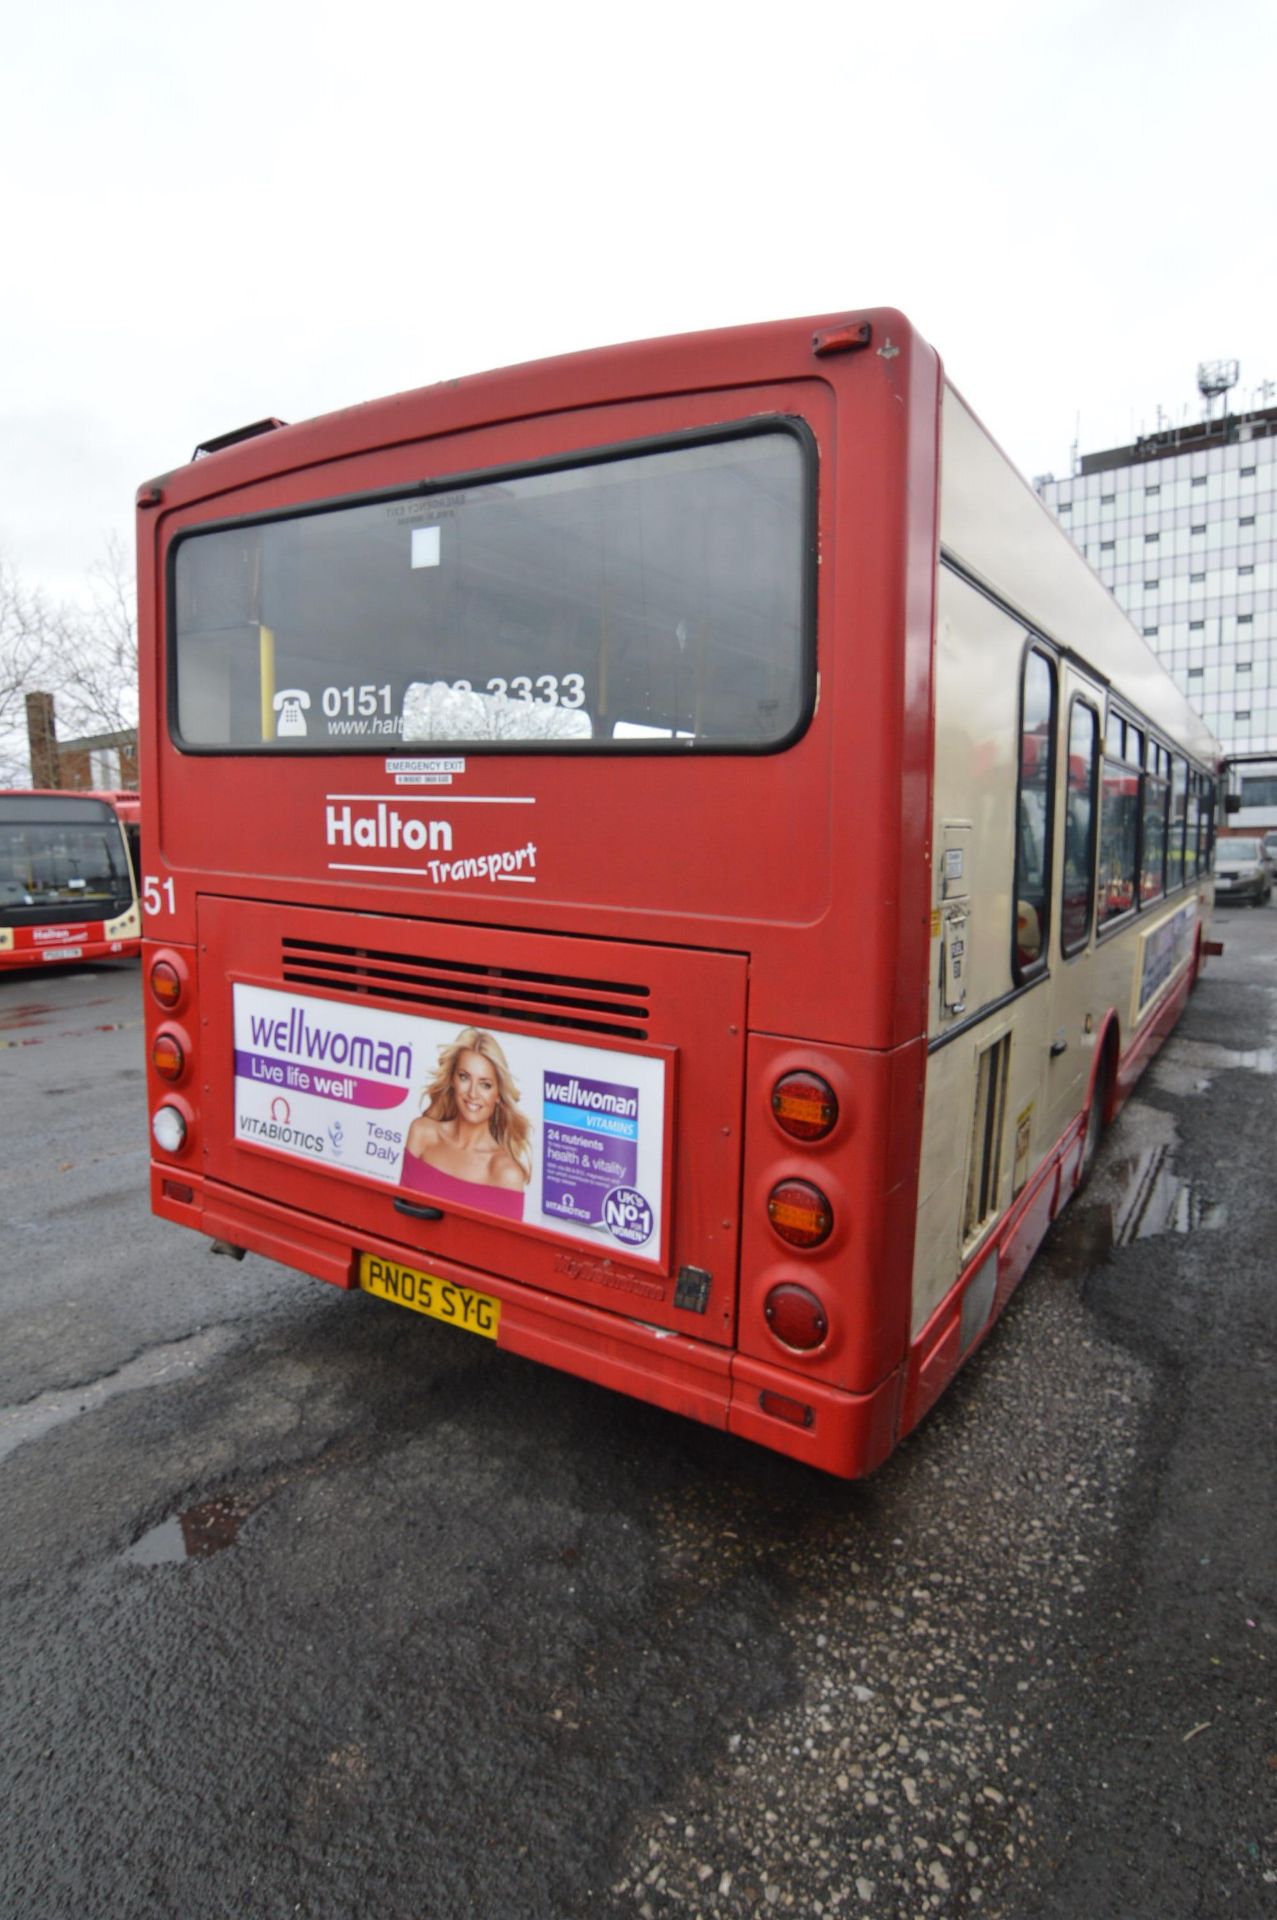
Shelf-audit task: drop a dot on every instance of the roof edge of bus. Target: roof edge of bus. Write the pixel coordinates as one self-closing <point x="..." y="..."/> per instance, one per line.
<point x="1205" y="743"/>
<point x="529" y="386"/>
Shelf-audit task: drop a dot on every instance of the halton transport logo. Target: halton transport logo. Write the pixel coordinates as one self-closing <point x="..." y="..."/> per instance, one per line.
<point x="382" y="828"/>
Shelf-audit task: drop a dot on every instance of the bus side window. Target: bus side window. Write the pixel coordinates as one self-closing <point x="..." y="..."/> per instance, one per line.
<point x="1078" y="890"/>
<point x="1034" y="814"/>
<point x="1119" y="829"/>
<point x="1176" y="857"/>
<point x="1155" y="802"/>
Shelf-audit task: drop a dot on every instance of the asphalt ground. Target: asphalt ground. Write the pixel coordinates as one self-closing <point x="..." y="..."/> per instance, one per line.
<point x="311" y="1606"/>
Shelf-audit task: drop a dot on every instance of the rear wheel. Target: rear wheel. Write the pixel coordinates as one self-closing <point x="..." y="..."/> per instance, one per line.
<point x="1094" y="1124"/>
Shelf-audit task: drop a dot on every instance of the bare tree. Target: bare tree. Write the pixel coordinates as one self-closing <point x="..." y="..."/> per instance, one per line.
<point x="99" y="683"/>
<point x="85" y="656"/>
<point x="27" y="664"/>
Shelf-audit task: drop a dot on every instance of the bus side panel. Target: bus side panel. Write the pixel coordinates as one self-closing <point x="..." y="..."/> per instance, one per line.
<point x="983" y="1126"/>
<point x="953" y="1331"/>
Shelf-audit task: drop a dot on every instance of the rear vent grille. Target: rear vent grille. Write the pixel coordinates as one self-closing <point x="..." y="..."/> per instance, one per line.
<point x="471" y="991"/>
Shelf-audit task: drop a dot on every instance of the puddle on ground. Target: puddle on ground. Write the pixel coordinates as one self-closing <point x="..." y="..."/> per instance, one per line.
<point x="1137" y="1194"/>
<point x="1153" y="1199"/>
<point x="34" y="1418"/>
<point x="1190" y="1066"/>
<point x="196" y="1534"/>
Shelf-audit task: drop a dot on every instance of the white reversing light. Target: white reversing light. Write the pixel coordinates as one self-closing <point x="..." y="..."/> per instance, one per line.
<point x="169" y="1129"/>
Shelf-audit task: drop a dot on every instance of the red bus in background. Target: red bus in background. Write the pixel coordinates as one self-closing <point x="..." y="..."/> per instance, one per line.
<point x="68" y="890"/>
<point x="626" y="875"/>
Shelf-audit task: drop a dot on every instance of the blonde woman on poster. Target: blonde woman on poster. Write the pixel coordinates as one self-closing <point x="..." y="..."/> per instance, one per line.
<point x="471" y="1143"/>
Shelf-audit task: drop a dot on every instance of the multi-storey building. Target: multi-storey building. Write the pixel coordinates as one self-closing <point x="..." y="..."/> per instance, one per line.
<point x="1182" y="527"/>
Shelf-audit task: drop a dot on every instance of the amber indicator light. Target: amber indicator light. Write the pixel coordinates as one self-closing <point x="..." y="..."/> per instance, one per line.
<point x="167" y="1057"/>
<point x="805" y="1106"/>
<point x="800" y="1213"/>
<point x="795" y="1317"/>
<point x="166" y="983"/>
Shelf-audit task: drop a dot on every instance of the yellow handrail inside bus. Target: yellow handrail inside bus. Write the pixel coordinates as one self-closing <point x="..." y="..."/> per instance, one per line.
<point x="266" y="657"/>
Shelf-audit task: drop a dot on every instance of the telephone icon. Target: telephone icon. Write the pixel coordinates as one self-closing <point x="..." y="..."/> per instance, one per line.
<point x="290" y="704"/>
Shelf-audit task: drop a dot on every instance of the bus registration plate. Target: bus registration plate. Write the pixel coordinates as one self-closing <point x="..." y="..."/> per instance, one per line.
<point x="62" y="953"/>
<point x="426" y="1293"/>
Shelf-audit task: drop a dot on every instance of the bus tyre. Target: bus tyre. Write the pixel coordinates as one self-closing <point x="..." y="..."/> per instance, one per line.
<point x="1094" y="1126"/>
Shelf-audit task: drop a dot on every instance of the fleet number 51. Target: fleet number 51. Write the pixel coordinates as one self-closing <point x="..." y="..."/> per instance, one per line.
<point x="157" y="894"/>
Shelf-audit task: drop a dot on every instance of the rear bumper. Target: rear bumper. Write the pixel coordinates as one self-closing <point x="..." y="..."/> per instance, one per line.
<point x="846" y="1434"/>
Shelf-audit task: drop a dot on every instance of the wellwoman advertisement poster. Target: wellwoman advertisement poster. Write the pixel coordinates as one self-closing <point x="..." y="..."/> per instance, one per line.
<point x="549" y="1133"/>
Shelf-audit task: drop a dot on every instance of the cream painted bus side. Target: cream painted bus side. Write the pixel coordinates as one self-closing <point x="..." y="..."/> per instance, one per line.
<point x="1035" y="1002"/>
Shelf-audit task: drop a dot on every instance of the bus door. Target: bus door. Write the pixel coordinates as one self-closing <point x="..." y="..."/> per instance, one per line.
<point x="1072" y="987"/>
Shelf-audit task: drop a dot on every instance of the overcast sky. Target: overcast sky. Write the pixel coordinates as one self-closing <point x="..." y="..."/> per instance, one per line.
<point x="262" y="207"/>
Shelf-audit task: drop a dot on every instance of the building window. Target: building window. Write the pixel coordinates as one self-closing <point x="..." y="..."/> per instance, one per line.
<point x="1242" y="713"/>
<point x="1153" y="489"/>
<point x="1199" y="479"/>
<point x="1107" y="546"/>
<point x="1259" y="790"/>
<point x="1149" y="632"/>
<point x="1149" y="539"/>
<point x="1247" y="520"/>
<point x="1196" y="578"/>
<point x="1243" y="666"/>
<point x="1244" y="619"/>
<point x="1199" y="528"/>
<point x="1247" y="473"/>
<point x="1245" y="569"/>
<point x="1066" y="506"/>
<point x="1151" y="586"/>
<point x="1196" y="626"/>
<point x="1195" y="673"/>
<point x="1107" y="499"/>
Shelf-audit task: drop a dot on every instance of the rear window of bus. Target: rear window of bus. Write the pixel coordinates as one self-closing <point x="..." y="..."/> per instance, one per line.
<point x="657" y="598"/>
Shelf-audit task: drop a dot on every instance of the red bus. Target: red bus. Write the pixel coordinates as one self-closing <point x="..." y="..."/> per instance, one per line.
<point x="67" y="886"/>
<point x="626" y="874"/>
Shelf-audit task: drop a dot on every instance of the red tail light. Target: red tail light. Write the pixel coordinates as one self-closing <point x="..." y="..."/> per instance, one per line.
<point x="166" y="983"/>
<point x="800" y="1213"/>
<point x="805" y="1106"/>
<point x="167" y="1057"/>
<point x="795" y="1317"/>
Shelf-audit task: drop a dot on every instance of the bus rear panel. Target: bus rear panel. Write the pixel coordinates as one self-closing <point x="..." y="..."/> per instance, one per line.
<point x="543" y="922"/>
